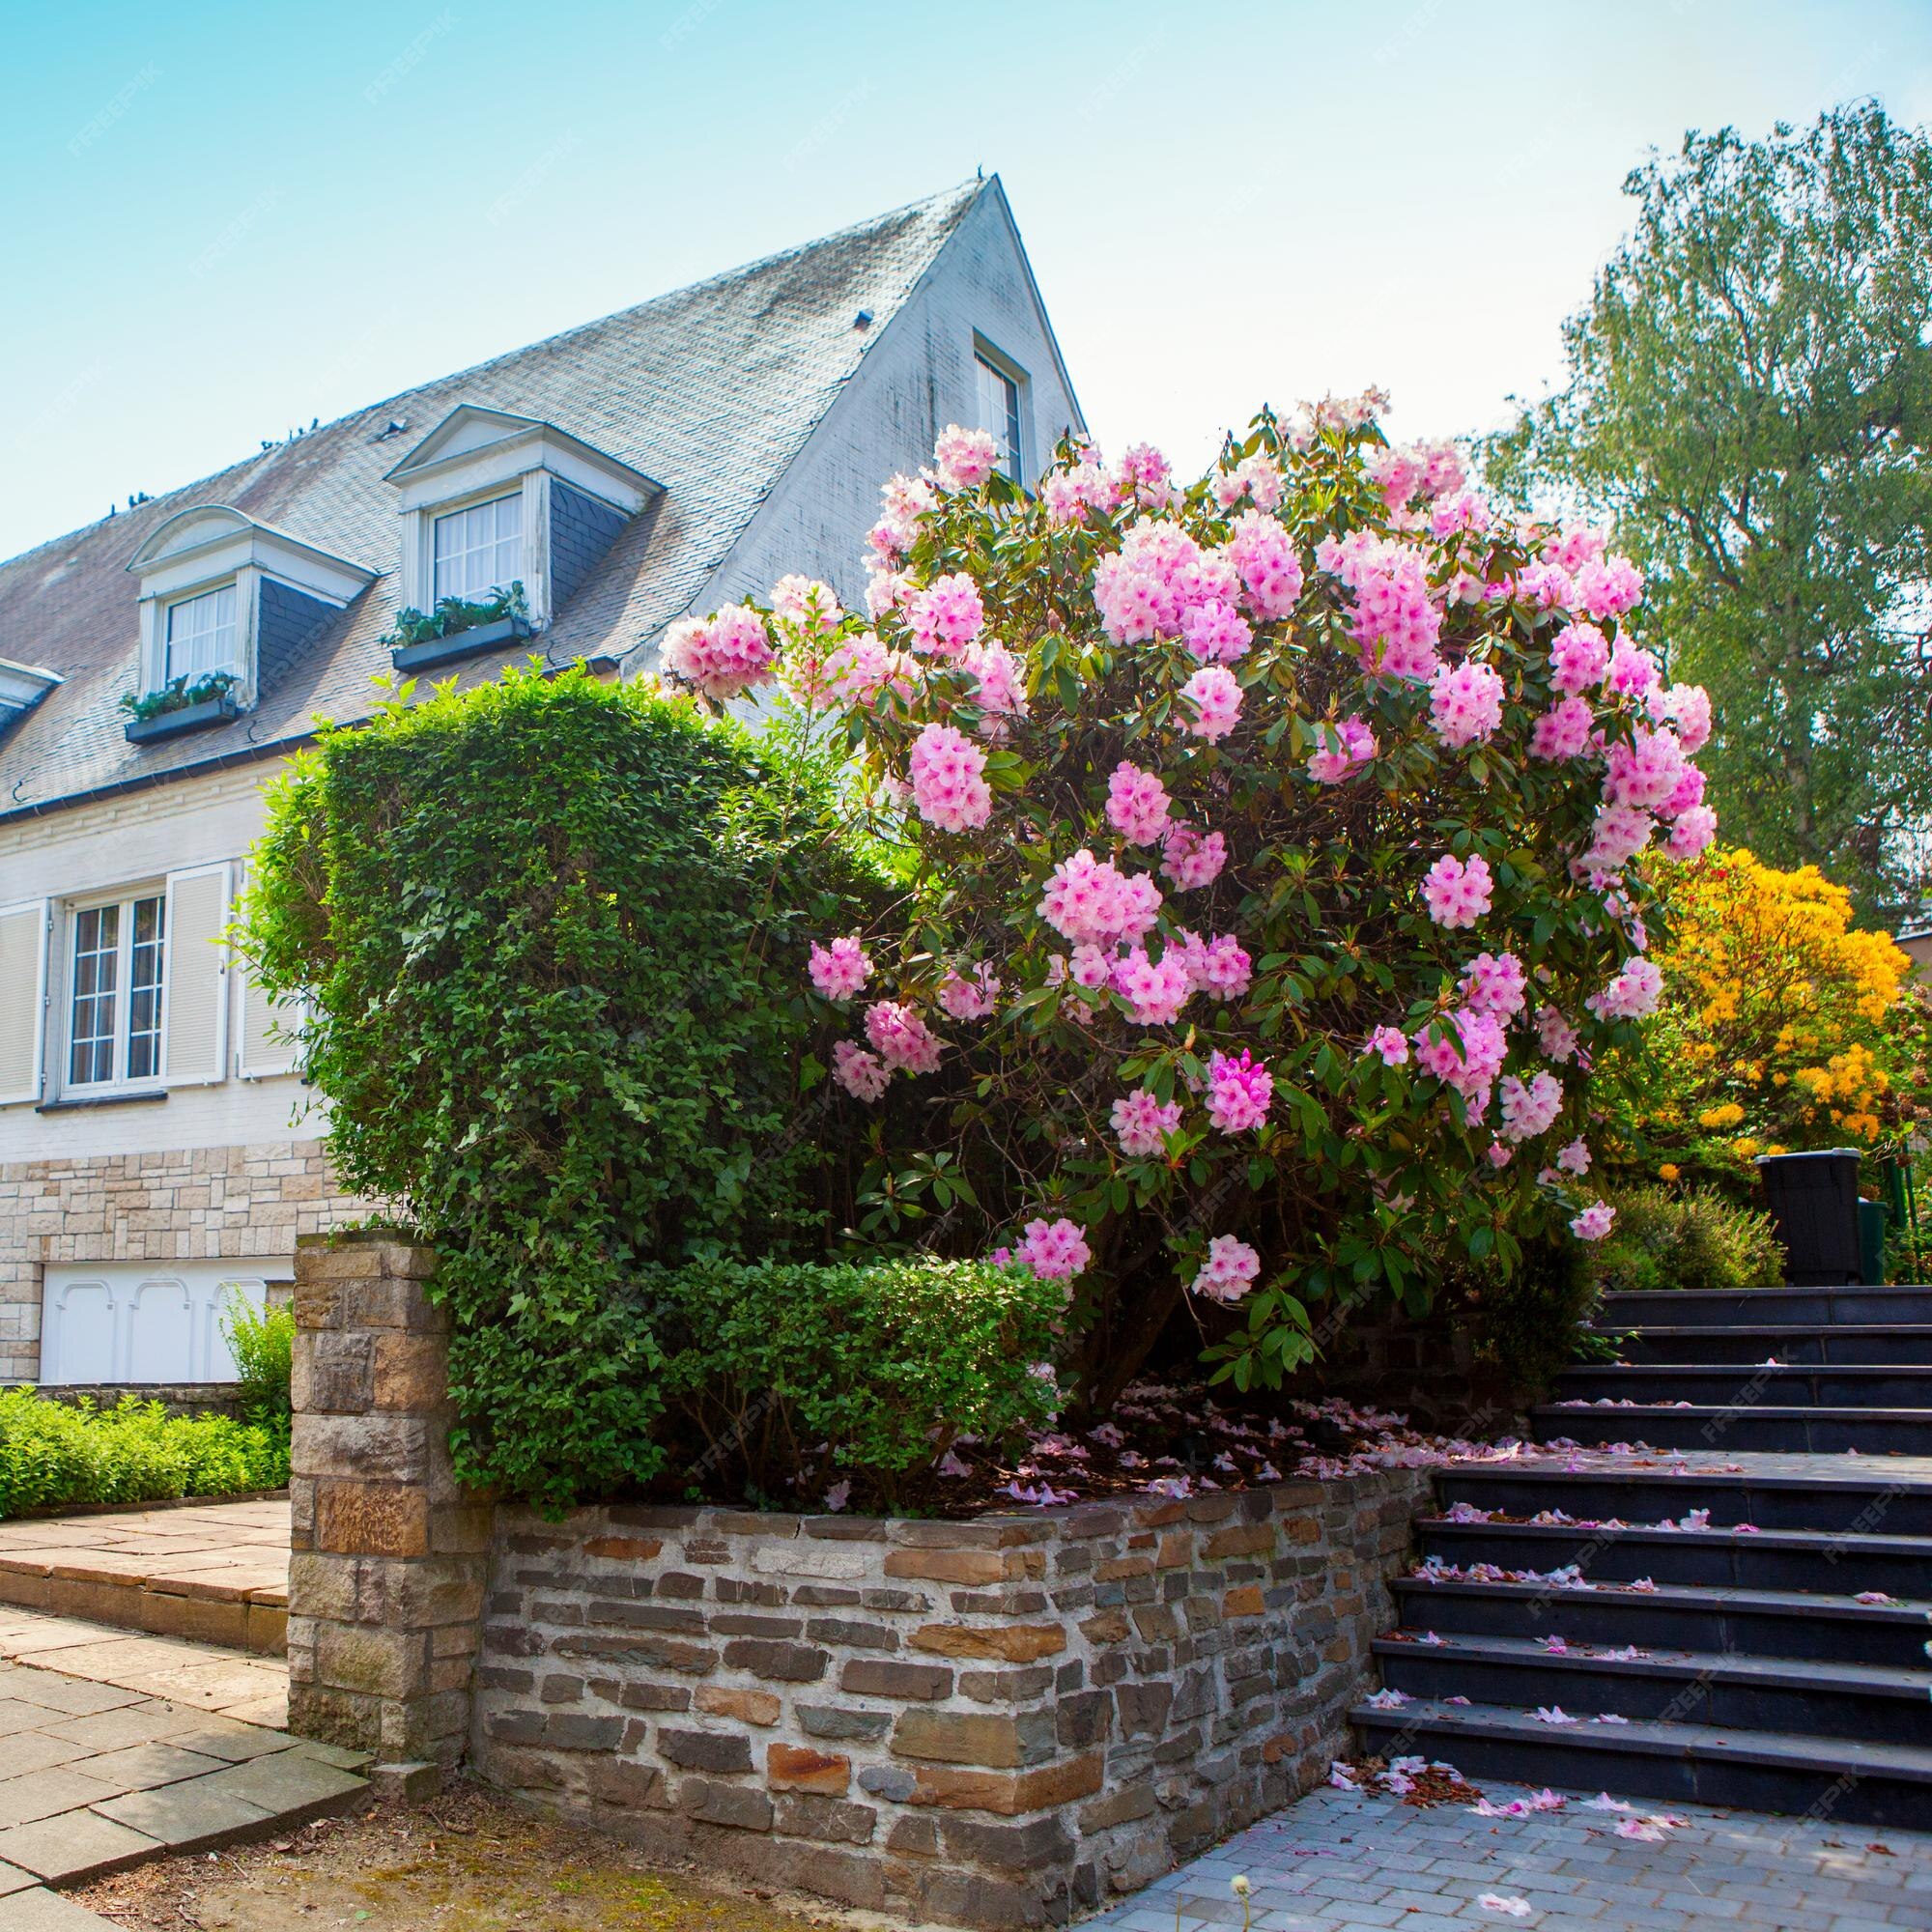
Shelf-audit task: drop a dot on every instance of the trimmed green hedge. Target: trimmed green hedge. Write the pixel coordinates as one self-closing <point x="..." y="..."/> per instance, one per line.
<point x="1689" y="1239"/>
<point x="776" y="1371"/>
<point x="55" y="1454"/>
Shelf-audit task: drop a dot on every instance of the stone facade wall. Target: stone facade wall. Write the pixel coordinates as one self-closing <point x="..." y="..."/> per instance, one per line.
<point x="216" y="1204"/>
<point x="988" y="1724"/>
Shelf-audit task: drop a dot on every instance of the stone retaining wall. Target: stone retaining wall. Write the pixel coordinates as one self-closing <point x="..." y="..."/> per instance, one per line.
<point x="989" y="1724"/>
<point x="986" y="1724"/>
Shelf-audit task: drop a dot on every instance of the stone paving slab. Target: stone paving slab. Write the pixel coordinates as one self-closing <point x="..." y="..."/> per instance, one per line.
<point x="103" y="1670"/>
<point x="216" y="1573"/>
<point x="1339" y="1861"/>
<point x="99" y="1772"/>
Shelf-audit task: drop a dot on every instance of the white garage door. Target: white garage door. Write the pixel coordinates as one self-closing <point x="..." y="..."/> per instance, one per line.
<point x="144" y="1322"/>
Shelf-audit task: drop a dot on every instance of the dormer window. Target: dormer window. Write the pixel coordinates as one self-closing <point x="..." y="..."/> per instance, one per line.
<point x="479" y="550"/>
<point x="490" y="501"/>
<point x="202" y="638"/>
<point x="223" y="599"/>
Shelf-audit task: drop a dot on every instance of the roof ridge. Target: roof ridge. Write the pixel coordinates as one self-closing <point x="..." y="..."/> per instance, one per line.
<point x="964" y="192"/>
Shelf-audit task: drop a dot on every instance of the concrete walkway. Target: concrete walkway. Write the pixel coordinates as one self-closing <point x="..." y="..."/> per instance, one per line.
<point x="1341" y="1862"/>
<point x="217" y="1573"/>
<point x="115" y="1749"/>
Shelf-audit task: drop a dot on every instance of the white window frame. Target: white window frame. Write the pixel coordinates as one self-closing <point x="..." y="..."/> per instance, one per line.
<point x="119" y="1081"/>
<point x="447" y="514"/>
<point x="1011" y="435"/>
<point x="232" y="664"/>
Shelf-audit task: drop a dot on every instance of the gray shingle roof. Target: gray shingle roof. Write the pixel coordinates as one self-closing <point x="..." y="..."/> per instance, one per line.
<point x="710" y="390"/>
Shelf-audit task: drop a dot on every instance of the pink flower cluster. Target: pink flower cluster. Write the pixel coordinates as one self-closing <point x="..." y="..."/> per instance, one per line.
<point x="947" y="616"/>
<point x="970" y="996"/>
<point x="1466" y="703"/>
<point x="1155" y="989"/>
<point x="1229" y="1272"/>
<point x="1390" y="1044"/>
<point x="840" y="970"/>
<point x="1262" y="551"/>
<point x="1001" y="683"/>
<point x="1240" y="1091"/>
<point x="1219" y="967"/>
<point x="964" y="458"/>
<point x="1090" y="902"/>
<point x="1216" y="699"/>
<point x="1531" y="1108"/>
<point x="902" y="1040"/>
<point x="724" y="655"/>
<point x="856" y="669"/>
<point x="1494" y="983"/>
<point x="1348" y="744"/>
<point x="861" y="1075"/>
<point x="1257" y="477"/>
<point x="807" y="605"/>
<point x="1563" y="731"/>
<point x="1137" y="804"/>
<point x="1580" y="655"/>
<point x="1394" y="622"/>
<point x="1054" y="1250"/>
<point x="948" y="788"/>
<point x="1144" y="589"/>
<point x="1457" y="892"/>
<point x="1630" y="995"/>
<point x="1142" y="1123"/>
<point x="1594" y="1222"/>
<point x="1191" y="858"/>
<point x="1463" y="1050"/>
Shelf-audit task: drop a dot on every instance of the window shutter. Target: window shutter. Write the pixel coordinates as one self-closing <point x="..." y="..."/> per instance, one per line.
<point x="266" y="1046"/>
<point x="23" y="1000"/>
<point x="197" y="1048"/>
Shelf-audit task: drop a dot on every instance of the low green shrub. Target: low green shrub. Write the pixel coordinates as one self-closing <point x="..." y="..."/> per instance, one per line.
<point x="1689" y="1240"/>
<point x="55" y="1454"/>
<point x="1529" y="1323"/>
<point x="263" y="1342"/>
<point x="777" y="1372"/>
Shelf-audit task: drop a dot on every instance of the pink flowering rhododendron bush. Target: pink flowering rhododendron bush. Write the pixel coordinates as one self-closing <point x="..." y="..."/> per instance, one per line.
<point x="1268" y="858"/>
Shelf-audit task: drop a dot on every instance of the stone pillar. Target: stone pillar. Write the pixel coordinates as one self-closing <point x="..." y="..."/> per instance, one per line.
<point x="389" y="1555"/>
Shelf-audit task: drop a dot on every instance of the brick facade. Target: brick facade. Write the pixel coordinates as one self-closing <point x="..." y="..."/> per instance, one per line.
<point x="220" y="1202"/>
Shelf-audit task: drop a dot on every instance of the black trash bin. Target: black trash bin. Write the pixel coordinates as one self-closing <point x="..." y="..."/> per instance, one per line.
<point x="1813" y="1199"/>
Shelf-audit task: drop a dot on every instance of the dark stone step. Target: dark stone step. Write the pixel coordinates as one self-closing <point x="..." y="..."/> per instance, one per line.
<point x="1846" y="1496"/>
<point x="1759" y="1308"/>
<point x="1720" y="1559"/>
<point x="1746" y="1623"/>
<point x="1724" y="1385"/>
<point x="1791" y="1773"/>
<point x="1846" y="1345"/>
<point x="1749" y="1693"/>
<point x="1722" y="1427"/>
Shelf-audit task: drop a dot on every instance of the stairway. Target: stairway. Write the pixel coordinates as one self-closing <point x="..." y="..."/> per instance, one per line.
<point x="1705" y="1590"/>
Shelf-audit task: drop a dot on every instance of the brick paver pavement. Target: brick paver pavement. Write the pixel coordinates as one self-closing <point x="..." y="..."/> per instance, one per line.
<point x="1341" y="1862"/>
<point x="115" y="1749"/>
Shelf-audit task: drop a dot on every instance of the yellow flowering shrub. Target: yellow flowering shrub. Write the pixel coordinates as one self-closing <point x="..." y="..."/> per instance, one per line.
<point x="1781" y="1025"/>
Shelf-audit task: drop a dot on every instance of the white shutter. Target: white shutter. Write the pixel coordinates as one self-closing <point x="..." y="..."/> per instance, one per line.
<point x="266" y="1043"/>
<point x="23" y="1000"/>
<point x="197" y="1023"/>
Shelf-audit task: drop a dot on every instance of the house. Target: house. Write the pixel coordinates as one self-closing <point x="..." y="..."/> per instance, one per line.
<point x="156" y="1147"/>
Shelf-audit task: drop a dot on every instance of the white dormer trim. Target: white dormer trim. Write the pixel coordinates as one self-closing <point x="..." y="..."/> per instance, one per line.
<point x="212" y="545"/>
<point x="475" y="454"/>
<point x="23" y="686"/>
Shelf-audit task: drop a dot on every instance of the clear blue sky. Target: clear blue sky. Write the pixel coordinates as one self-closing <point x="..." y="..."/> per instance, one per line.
<point x="224" y="219"/>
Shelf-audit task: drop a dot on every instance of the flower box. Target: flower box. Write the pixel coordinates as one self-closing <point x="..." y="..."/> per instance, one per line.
<point x="189" y="718"/>
<point x="459" y="644"/>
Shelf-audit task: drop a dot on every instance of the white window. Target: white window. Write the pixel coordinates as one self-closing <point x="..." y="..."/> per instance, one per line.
<point x="999" y="401"/>
<point x="201" y="636"/>
<point x="120" y="966"/>
<point x="479" y="550"/>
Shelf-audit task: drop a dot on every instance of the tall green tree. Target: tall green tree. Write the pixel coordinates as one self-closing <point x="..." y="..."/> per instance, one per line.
<point x="1750" y="400"/>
